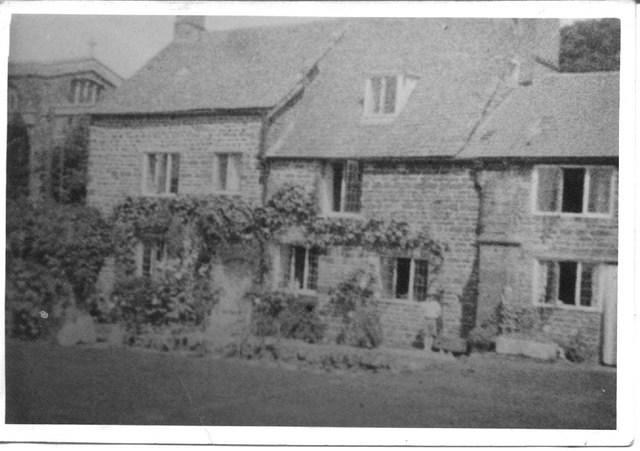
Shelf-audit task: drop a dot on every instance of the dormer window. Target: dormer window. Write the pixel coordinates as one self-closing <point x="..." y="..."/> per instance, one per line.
<point x="386" y="95"/>
<point x="85" y="91"/>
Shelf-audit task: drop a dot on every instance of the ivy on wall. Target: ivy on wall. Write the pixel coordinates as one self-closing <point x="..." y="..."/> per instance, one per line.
<point x="207" y="223"/>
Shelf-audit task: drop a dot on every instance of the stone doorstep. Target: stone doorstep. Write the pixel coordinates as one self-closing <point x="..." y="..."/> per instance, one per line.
<point x="528" y="348"/>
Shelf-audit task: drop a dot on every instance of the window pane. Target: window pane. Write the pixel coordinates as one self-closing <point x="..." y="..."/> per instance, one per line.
<point x="146" y="260"/>
<point x="548" y="282"/>
<point x="337" y="169"/>
<point x="162" y="173"/>
<point x="600" y="190"/>
<point x="390" y="95"/>
<point x="586" y="285"/>
<point x="376" y="94"/>
<point x="567" y="282"/>
<point x="151" y="173"/>
<point x="312" y="278"/>
<point x="223" y="162"/>
<point x="386" y="276"/>
<point x="403" y="270"/>
<point x="353" y="185"/>
<point x="175" y="172"/>
<point x="298" y="266"/>
<point x="285" y="261"/>
<point x="548" y="189"/>
<point x="572" y="189"/>
<point x="420" y="279"/>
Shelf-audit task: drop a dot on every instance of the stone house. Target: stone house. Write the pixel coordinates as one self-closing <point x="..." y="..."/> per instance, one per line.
<point x="457" y="126"/>
<point x="50" y="98"/>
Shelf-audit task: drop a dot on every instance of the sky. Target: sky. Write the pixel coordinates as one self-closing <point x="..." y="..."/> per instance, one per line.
<point x="124" y="43"/>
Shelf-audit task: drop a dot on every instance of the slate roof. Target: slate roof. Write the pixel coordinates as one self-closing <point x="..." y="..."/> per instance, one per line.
<point x="559" y="115"/>
<point x="58" y="68"/>
<point x="236" y="69"/>
<point x="457" y="62"/>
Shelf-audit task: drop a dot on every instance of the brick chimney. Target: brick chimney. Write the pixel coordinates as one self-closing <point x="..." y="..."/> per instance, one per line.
<point x="188" y="28"/>
<point x="538" y="48"/>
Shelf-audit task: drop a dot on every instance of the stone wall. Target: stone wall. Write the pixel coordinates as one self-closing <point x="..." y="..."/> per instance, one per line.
<point x="438" y="197"/>
<point x="513" y="238"/>
<point x="117" y="148"/>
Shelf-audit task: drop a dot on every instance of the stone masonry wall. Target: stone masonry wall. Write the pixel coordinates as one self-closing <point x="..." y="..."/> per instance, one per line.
<point x="117" y="148"/>
<point x="513" y="238"/>
<point x="440" y="197"/>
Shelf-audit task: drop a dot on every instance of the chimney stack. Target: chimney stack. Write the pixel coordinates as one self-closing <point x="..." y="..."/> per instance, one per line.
<point x="538" y="40"/>
<point x="188" y="28"/>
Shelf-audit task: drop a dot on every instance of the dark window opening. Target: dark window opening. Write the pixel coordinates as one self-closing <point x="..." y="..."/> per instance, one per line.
<point x="403" y="275"/>
<point x="586" y="285"/>
<point x="390" y="95"/>
<point x="337" y="186"/>
<point x="567" y="282"/>
<point x="299" y="254"/>
<point x="572" y="190"/>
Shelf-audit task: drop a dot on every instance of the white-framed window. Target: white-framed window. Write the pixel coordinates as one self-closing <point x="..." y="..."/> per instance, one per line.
<point x="566" y="283"/>
<point x="299" y="268"/>
<point x="381" y="97"/>
<point x="161" y="174"/>
<point x="342" y="187"/>
<point x="84" y="91"/>
<point x="227" y="172"/>
<point x="152" y="258"/>
<point x="405" y="278"/>
<point x="574" y="190"/>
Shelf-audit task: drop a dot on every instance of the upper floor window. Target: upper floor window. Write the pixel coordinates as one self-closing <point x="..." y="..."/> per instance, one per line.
<point x="343" y="187"/>
<point x="226" y="172"/>
<point x="13" y="99"/>
<point x="405" y="278"/>
<point x="385" y="95"/>
<point x="161" y="173"/>
<point x="300" y="269"/>
<point x="573" y="189"/>
<point x="566" y="283"/>
<point x="85" y="91"/>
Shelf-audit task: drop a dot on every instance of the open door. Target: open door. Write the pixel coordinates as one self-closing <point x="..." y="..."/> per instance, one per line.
<point x="609" y="298"/>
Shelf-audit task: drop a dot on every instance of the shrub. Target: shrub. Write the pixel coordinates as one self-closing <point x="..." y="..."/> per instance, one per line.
<point x="576" y="348"/>
<point x="172" y="300"/>
<point x="70" y="242"/>
<point x="483" y="338"/>
<point x="32" y="295"/>
<point x="286" y="315"/>
<point x="353" y="301"/>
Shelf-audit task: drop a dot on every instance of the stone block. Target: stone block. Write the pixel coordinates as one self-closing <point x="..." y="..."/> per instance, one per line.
<point x="527" y="348"/>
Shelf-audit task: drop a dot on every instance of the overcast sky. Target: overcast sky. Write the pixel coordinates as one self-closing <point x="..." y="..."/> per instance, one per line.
<point x="124" y="43"/>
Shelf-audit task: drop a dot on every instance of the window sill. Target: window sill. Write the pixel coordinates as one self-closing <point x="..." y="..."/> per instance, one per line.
<point x="378" y="119"/>
<point x="340" y="214"/>
<point x="573" y="215"/>
<point x="226" y="193"/>
<point x="575" y="308"/>
<point x="159" y="195"/>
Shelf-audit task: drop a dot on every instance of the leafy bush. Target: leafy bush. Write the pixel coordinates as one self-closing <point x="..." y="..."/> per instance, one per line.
<point x="286" y="315"/>
<point x="32" y="295"/>
<point x="173" y="299"/>
<point x="353" y="301"/>
<point x="577" y="349"/>
<point x="71" y="242"/>
<point x="483" y="338"/>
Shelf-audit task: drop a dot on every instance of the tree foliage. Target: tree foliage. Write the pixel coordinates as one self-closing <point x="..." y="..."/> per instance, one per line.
<point x="17" y="158"/>
<point x="69" y="165"/>
<point x="590" y="45"/>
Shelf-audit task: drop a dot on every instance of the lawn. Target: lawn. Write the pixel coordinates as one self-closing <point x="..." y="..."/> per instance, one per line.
<point x="50" y="384"/>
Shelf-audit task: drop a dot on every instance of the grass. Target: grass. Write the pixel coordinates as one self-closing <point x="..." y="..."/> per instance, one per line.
<point x="50" y="384"/>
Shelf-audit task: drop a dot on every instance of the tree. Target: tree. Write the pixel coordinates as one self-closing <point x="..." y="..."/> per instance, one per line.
<point x="69" y="165"/>
<point x="590" y="45"/>
<point x="17" y="158"/>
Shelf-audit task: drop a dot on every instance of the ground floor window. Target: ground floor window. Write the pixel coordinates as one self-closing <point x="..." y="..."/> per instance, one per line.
<point x="152" y="259"/>
<point x="405" y="278"/>
<point x="161" y="173"/>
<point x="567" y="283"/>
<point x="300" y="268"/>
